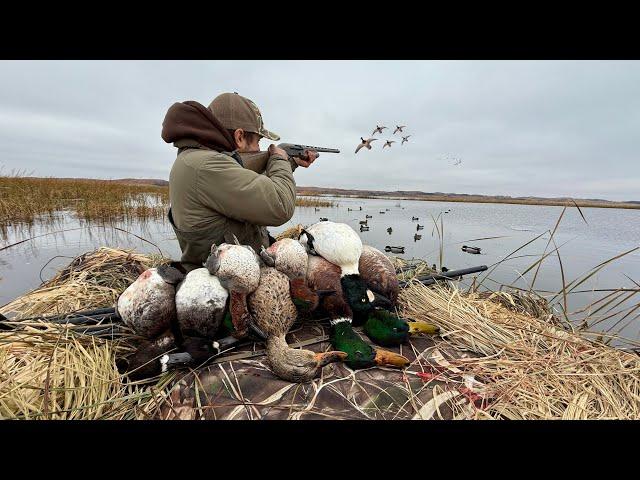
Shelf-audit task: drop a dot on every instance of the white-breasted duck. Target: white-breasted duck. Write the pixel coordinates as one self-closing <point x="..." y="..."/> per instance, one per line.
<point x="148" y="304"/>
<point x="238" y="269"/>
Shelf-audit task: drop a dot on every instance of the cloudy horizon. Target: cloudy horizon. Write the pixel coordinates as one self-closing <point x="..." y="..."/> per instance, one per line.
<point x="520" y="128"/>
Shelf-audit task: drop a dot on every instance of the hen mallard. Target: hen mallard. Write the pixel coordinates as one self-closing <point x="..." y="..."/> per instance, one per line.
<point x="273" y="312"/>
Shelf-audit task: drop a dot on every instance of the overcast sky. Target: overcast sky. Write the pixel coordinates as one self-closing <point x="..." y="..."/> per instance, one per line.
<point x="543" y="128"/>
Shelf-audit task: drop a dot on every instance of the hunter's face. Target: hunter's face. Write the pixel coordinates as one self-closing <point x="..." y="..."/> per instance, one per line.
<point x="247" y="143"/>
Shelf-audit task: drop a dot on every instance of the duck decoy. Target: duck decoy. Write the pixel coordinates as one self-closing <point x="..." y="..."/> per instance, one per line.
<point x="405" y="139"/>
<point x="364" y="222"/>
<point x="387" y="209"/>
<point x="368" y="216"/>
<point x="349" y="210"/>
<point x="238" y="269"/>
<point x="389" y="230"/>
<point x="364" y="228"/>
<point x="378" y="129"/>
<point x="316" y="209"/>
<point x="273" y="311"/>
<point x="394" y="249"/>
<point x="323" y="219"/>
<point x="399" y="129"/>
<point x="360" y="208"/>
<point x="388" y="143"/>
<point x="419" y="227"/>
<point x="416" y="237"/>
<point x="382" y="211"/>
<point x="414" y="218"/>
<point x="474" y="250"/>
<point x="365" y="143"/>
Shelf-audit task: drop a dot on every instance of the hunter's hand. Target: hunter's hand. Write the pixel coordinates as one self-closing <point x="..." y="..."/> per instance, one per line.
<point x="274" y="150"/>
<point x="309" y="157"/>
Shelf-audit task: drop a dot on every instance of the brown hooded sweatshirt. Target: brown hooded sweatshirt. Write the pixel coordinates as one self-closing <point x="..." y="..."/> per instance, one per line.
<point x="212" y="195"/>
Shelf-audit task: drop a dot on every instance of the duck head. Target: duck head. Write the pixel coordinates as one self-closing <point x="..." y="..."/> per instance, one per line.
<point x="359" y="353"/>
<point x="361" y="299"/>
<point x="297" y="365"/>
<point x="386" y="329"/>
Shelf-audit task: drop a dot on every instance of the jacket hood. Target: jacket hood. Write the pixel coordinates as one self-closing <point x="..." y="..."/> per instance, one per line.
<point x="192" y="120"/>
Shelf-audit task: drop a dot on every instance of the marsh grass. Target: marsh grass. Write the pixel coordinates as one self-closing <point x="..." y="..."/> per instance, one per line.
<point x="27" y="200"/>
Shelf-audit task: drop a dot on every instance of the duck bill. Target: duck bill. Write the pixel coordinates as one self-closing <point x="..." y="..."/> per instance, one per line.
<point x="378" y="300"/>
<point x="422" y="327"/>
<point x="325" y="358"/>
<point x="387" y="358"/>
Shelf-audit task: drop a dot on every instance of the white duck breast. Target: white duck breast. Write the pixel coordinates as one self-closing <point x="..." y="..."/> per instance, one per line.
<point x="336" y="242"/>
<point x="148" y="304"/>
<point x="238" y="268"/>
<point x="200" y="303"/>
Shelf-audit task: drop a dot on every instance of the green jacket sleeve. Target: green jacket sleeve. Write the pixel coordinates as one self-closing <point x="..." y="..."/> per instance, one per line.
<point x="241" y="194"/>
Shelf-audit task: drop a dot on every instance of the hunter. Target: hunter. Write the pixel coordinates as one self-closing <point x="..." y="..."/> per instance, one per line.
<point x="213" y="195"/>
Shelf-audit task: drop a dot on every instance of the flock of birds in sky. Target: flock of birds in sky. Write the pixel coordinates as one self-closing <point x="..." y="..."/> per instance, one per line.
<point x="367" y="143"/>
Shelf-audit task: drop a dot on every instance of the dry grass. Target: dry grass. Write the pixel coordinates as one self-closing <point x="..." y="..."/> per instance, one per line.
<point x="530" y="366"/>
<point x="313" y="202"/>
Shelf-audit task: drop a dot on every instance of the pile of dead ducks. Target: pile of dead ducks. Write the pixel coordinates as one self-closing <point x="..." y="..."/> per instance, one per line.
<point x="189" y="318"/>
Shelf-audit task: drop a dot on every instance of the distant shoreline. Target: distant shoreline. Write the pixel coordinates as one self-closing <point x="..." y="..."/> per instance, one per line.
<point x="306" y="191"/>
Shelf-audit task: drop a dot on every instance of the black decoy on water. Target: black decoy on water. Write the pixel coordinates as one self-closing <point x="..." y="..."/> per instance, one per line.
<point x="349" y="210"/>
<point x="368" y="216"/>
<point x="360" y="208"/>
<point x="364" y="222"/>
<point x="387" y="209"/>
<point x="444" y="269"/>
<point x="394" y="249"/>
<point x="324" y="219"/>
<point x="317" y="209"/>
<point x="364" y="228"/>
<point x="389" y="230"/>
<point x="419" y="227"/>
<point x="381" y="211"/>
<point x="416" y="237"/>
<point x="414" y="218"/>
<point x="475" y="250"/>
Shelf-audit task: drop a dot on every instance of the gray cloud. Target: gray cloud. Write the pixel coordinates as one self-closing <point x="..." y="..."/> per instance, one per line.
<point x="552" y="128"/>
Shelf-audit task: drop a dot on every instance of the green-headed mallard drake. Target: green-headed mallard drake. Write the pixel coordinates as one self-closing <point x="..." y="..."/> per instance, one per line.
<point x="323" y="275"/>
<point x="238" y="269"/>
<point x="148" y="304"/>
<point x="273" y="312"/>
<point x="288" y="256"/>
<point x="381" y="326"/>
<point x="340" y="245"/>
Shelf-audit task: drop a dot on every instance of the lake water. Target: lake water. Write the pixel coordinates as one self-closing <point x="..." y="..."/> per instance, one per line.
<point x="607" y="233"/>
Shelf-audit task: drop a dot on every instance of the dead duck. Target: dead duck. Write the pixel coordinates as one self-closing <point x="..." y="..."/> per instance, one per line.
<point x="474" y="250"/>
<point x="289" y="257"/>
<point x="389" y="230"/>
<point x="201" y="303"/>
<point x="365" y="143"/>
<point x="341" y="308"/>
<point x="419" y="227"/>
<point x="399" y="129"/>
<point x="394" y="249"/>
<point x="273" y="312"/>
<point x="148" y="304"/>
<point x="238" y="269"/>
<point x="416" y="237"/>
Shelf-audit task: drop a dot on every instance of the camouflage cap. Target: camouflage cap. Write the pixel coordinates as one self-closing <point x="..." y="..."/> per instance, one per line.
<point x="235" y="111"/>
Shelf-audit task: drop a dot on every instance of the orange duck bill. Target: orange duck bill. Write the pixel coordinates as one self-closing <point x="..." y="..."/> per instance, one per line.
<point x="387" y="358"/>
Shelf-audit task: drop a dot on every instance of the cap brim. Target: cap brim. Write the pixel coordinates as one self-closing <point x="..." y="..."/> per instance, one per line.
<point x="270" y="135"/>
